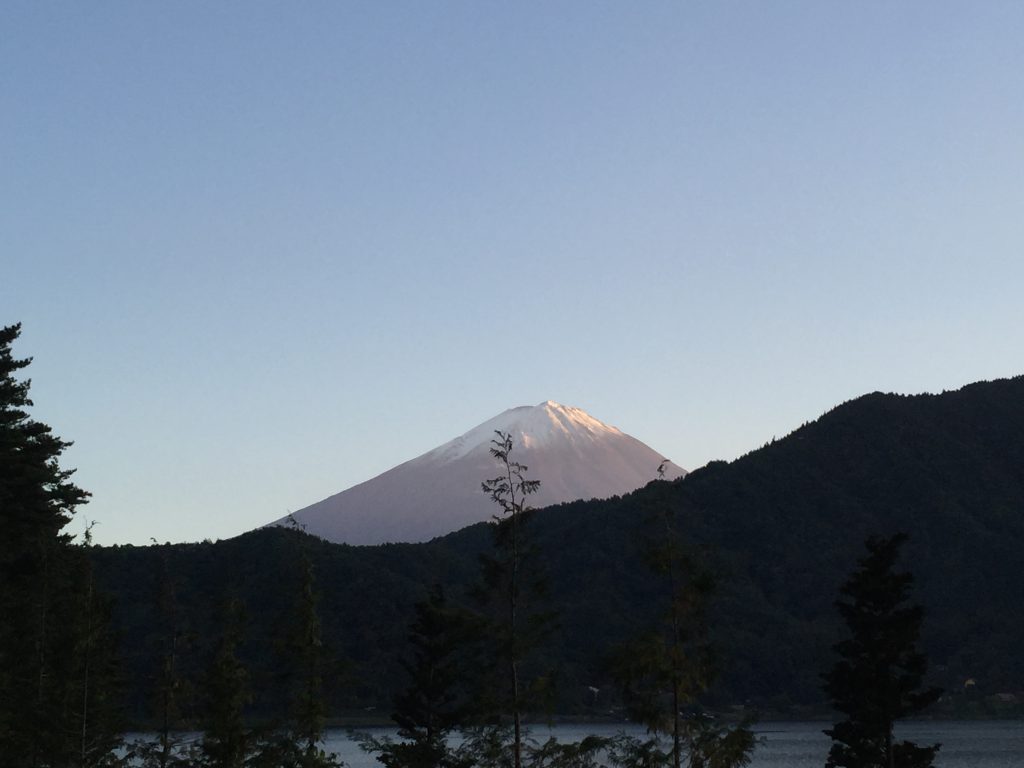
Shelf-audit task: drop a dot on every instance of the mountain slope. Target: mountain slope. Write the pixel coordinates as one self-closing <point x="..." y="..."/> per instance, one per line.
<point x="790" y="520"/>
<point x="574" y="456"/>
<point x="783" y="526"/>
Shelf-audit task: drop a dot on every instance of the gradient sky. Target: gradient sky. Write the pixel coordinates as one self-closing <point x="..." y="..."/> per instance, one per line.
<point x="265" y="251"/>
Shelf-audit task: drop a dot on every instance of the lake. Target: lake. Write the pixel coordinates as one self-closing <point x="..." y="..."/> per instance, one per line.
<point x="965" y="744"/>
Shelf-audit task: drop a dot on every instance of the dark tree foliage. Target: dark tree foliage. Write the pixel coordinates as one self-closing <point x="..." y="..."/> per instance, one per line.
<point x="879" y="676"/>
<point x="55" y="650"/>
<point x="226" y="742"/>
<point x="308" y="710"/>
<point x="437" y="700"/>
<point x="586" y="753"/>
<point x="170" y="687"/>
<point x="299" y="744"/>
<point x="665" y="671"/>
<point x="94" y="701"/>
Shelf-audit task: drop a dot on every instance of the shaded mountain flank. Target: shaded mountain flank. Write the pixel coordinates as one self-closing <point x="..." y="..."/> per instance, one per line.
<point x="782" y="527"/>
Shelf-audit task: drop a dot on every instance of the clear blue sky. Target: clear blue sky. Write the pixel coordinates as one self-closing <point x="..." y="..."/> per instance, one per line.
<point x="264" y="251"/>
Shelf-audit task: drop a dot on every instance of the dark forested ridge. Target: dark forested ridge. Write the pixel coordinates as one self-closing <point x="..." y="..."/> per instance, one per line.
<point x="781" y="526"/>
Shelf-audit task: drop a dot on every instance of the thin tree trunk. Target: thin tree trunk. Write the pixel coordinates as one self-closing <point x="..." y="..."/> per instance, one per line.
<point x="517" y="738"/>
<point x="44" y="600"/>
<point x="676" y="672"/>
<point x="170" y="658"/>
<point x="165" y="702"/>
<point x="676" y="736"/>
<point x="85" y="670"/>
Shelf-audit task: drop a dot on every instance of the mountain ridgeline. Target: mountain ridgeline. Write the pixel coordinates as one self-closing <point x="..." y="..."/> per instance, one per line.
<point x="780" y="527"/>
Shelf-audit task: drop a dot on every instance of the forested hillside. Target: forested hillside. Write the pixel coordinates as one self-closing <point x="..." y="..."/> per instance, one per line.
<point x="781" y="528"/>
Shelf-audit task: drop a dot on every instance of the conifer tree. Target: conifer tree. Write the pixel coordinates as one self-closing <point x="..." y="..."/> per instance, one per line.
<point x="170" y="686"/>
<point x="309" y="710"/>
<point x="299" y="743"/>
<point x="226" y="742"/>
<point x="169" y="681"/>
<point x="93" y="702"/>
<point x="37" y="578"/>
<point x="436" y="701"/>
<point x="879" y="676"/>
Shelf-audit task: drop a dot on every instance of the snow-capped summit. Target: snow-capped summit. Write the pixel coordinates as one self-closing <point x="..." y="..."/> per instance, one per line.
<point x="574" y="456"/>
<point x="529" y="426"/>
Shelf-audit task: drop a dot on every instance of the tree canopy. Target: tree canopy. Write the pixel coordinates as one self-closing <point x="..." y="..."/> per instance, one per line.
<point x="879" y="676"/>
<point x="55" y="652"/>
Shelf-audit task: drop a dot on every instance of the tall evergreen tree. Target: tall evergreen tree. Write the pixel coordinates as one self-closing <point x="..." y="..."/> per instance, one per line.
<point x="436" y="701"/>
<point x="879" y="676"/>
<point x="169" y="685"/>
<point x="226" y="742"/>
<point x="37" y="577"/>
<point x="309" y="710"/>
<point x="93" y="697"/>
<point x="300" y="744"/>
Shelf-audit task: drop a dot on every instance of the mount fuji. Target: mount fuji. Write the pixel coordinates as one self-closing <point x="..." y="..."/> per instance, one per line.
<point x="572" y="454"/>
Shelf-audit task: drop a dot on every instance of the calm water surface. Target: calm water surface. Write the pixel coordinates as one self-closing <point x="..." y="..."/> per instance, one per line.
<point x="973" y="744"/>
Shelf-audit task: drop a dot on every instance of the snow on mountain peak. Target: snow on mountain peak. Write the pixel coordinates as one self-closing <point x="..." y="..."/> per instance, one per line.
<point x="529" y="426"/>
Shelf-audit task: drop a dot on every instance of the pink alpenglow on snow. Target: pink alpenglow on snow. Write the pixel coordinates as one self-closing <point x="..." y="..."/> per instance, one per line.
<point x="574" y="456"/>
